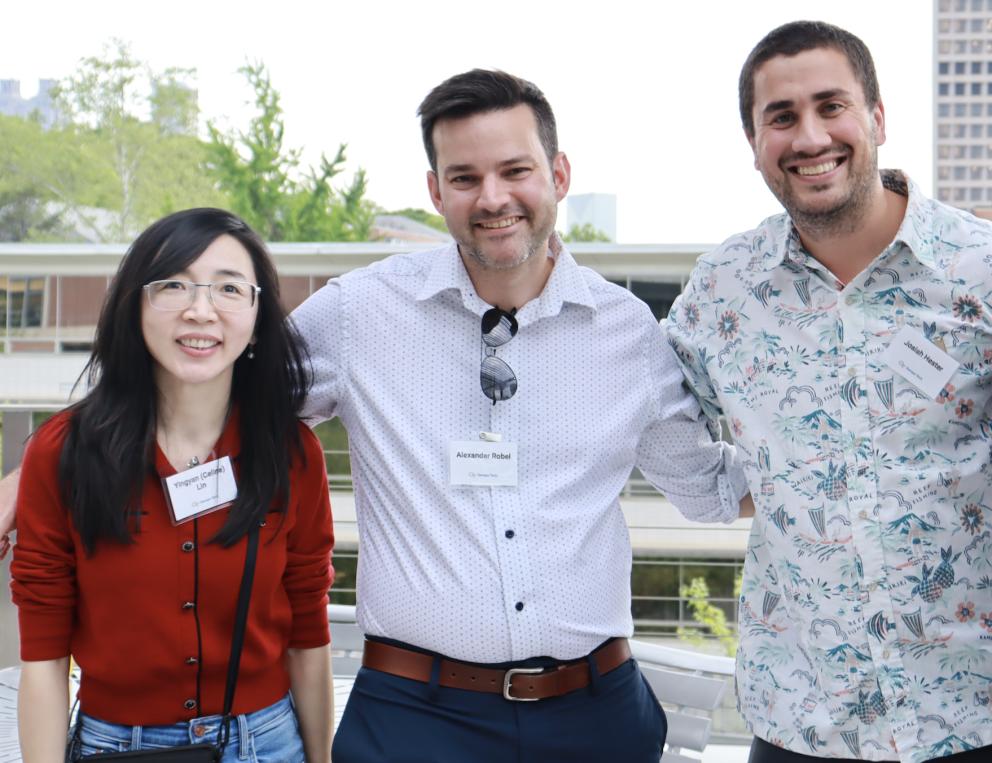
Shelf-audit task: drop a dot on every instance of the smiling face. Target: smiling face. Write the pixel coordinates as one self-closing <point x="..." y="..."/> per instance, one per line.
<point x="815" y="140"/>
<point x="199" y="345"/>
<point x="495" y="187"/>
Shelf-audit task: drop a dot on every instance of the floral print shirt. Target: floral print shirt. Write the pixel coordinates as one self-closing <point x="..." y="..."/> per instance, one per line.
<point x="866" y="610"/>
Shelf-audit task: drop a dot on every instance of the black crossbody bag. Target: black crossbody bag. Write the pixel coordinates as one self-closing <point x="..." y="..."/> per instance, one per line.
<point x="206" y="752"/>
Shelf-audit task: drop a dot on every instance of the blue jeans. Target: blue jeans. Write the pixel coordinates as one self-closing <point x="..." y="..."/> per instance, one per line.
<point x="269" y="735"/>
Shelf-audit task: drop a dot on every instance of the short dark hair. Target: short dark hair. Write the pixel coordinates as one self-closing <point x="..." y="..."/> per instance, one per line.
<point x="479" y="91"/>
<point x="111" y="441"/>
<point x="797" y="37"/>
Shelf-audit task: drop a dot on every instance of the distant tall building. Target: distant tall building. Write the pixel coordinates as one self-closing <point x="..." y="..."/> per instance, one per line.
<point x="12" y="104"/>
<point x="596" y="209"/>
<point x="963" y="103"/>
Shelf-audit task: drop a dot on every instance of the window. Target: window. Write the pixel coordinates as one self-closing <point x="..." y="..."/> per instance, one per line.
<point x="944" y="109"/>
<point x="959" y="25"/>
<point x="976" y="67"/>
<point x="976" y="109"/>
<point x="975" y="172"/>
<point x="943" y="131"/>
<point x="944" y="46"/>
<point x="957" y="152"/>
<point x="944" y="173"/>
<point x="975" y="131"/>
<point x="976" y="25"/>
<point x="959" y="194"/>
<point x="959" y="67"/>
<point x="22" y="300"/>
<point x="958" y="88"/>
<point x="976" y="152"/>
<point x="975" y="194"/>
<point x="977" y="5"/>
<point x="959" y="131"/>
<point x="943" y="67"/>
<point x="976" y="88"/>
<point x="959" y="173"/>
<point x="944" y="152"/>
<point x="943" y="88"/>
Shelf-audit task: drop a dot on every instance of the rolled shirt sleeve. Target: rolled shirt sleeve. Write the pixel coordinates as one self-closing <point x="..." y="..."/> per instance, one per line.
<point x="679" y="451"/>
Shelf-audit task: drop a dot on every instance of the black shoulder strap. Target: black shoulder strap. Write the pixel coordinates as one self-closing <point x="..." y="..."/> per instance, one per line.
<point x="240" y="621"/>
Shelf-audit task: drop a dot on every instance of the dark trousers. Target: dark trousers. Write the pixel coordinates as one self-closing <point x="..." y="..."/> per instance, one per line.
<point x="763" y="752"/>
<point x="388" y="718"/>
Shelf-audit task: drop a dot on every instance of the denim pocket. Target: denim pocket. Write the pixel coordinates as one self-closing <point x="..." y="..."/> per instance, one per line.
<point x="278" y="741"/>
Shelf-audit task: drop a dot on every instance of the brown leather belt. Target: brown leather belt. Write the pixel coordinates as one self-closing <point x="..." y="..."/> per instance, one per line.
<point x="517" y="684"/>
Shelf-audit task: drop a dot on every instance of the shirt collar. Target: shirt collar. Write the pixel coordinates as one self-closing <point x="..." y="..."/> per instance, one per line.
<point x="915" y="231"/>
<point x="565" y="284"/>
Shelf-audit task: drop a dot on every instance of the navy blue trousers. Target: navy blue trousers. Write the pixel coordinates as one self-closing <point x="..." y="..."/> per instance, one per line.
<point x="387" y="718"/>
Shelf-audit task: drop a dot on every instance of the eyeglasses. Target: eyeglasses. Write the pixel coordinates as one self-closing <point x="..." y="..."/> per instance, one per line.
<point x="497" y="378"/>
<point x="229" y="296"/>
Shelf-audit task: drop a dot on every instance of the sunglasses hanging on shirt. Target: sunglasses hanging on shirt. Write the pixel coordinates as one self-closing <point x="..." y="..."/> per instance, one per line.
<point x="496" y="377"/>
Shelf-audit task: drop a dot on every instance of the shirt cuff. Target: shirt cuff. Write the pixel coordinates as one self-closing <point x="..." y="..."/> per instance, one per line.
<point x="732" y="486"/>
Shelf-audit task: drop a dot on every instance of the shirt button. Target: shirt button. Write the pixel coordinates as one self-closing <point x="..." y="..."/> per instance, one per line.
<point x="509" y="533"/>
<point x="519" y="606"/>
<point x="199" y="731"/>
<point x="862" y="514"/>
<point x="188" y="546"/>
<point x="886" y="653"/>
<point x="852" y="371"/>
<point x="189" y="704"/>
<point x="850" y="299"/>
<point x="191" y="660"/>
<point x="188" y="605"/>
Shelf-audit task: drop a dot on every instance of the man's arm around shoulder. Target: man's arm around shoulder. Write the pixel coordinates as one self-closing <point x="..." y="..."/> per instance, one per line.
<point x="8" y="503"/>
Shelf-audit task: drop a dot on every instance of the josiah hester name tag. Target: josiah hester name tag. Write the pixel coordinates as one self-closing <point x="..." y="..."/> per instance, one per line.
<point x="920" y="362"/>
<point x="483" y="464"/>
<point x="200" y="490"/>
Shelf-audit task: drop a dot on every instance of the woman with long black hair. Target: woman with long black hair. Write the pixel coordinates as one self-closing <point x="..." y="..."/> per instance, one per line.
<point x="135" y="505"/>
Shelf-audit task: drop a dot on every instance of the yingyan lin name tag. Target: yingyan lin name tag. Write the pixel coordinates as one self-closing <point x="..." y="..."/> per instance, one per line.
<point x="200" y="490"/>
<point x="920" y="362"/>
<point x="483" y="464"/>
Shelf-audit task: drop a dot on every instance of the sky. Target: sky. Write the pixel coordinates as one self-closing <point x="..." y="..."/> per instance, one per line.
<point x="644" y="91"/>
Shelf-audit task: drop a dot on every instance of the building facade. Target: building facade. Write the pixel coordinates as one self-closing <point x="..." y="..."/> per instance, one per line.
<point x="963" y="103"/>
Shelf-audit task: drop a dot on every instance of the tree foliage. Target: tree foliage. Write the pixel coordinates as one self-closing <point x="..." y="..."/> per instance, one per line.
<point x="422" y="216"/>
<point x="710" y="616"/>
<point x="136" y="131"/>
<point x="584" y="233"/>
<point x="267" y="186"/>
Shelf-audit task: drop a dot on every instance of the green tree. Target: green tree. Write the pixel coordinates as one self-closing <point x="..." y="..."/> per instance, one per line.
<point x="710" y="616"/>
<point x="422" y="216"/>
<point x="584" y="233"/>
<point x="267" y="186"/>
<point x="136" y="131"/>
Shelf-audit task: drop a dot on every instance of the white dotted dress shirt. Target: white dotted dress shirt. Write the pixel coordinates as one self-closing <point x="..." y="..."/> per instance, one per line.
<point x="491" y="574"/>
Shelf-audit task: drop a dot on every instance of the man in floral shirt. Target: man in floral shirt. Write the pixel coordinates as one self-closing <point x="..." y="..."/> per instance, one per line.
<point x="848" y="343"/>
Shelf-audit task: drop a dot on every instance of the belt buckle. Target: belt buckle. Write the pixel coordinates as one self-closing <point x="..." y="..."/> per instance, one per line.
<point x="508" y="677"/>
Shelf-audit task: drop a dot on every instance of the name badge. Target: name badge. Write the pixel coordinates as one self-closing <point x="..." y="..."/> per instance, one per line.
<point x="920" y="362"/>
<point x="200" y="490"/>
<point x="483" y="464"/>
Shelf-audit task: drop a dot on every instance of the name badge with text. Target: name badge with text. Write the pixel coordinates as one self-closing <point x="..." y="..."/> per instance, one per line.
<point x="200" y="490"/>
<point x="920" y="362"/>
<point x="483" y="464"/>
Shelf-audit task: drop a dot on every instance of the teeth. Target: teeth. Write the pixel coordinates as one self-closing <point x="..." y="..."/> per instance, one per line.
<point x="818" y="169"/>
<point x="505" y="223"/>
<point x="199" y="344"/>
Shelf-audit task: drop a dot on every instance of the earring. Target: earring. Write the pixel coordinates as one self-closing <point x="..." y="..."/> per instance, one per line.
<point x="251" y="352"/>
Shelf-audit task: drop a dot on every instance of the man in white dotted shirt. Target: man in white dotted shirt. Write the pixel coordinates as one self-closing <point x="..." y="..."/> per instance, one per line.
<point x="496" y="397"/>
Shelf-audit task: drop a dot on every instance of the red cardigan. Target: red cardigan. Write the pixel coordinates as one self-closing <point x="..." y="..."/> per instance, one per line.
<point x="128" y="613"/>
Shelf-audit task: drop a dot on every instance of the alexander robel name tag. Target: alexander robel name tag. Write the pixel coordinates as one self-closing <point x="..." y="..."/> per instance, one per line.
<point x="483" y="464"/>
